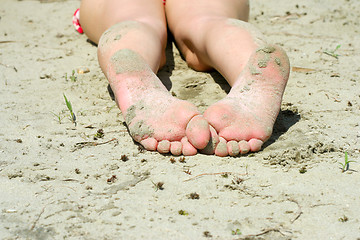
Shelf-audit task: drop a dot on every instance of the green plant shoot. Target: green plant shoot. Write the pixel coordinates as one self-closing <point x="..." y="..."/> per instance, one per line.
<point x="59" y="118"/>
<point x="236" y="232"/>
<point x="73" y="77"/>
<point x="69" y="106"/>
<point x="345" y="166"/>
<point x="332" y="52"/>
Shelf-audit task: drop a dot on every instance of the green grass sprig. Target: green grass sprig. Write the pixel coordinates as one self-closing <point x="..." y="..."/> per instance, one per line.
<point x="332" y="52"/>
<point x="346" y="165"/>
<point x="69" y="106"/>
<point x="58" y="117"/>
<point x="72" y="77"/>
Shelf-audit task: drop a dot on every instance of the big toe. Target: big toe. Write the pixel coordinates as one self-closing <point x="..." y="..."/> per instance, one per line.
<point x="198" y="132"/>
<point x="214" y="140"/>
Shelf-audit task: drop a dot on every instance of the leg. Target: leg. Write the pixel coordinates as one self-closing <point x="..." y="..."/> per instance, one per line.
<point x="131" y="37"/>
<point x="216" y="35"/>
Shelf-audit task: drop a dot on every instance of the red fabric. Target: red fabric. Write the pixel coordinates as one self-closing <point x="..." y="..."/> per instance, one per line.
<point x="76" y="21"/>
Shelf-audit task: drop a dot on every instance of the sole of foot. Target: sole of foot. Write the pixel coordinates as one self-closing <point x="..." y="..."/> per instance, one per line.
<point x="245" y="118"/>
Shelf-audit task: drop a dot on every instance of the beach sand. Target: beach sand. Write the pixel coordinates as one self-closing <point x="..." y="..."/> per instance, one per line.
<point x="91" y="181"/>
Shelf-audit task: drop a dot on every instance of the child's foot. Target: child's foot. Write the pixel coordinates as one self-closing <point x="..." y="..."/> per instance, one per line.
<point x="161" y="122"/>
<point x="155" y="119"/>
<point x="245" y="118"/>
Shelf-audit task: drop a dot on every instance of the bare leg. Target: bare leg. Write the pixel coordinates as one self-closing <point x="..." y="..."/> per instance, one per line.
<point x="131" y="36"/>
<point x="214" y="34"/>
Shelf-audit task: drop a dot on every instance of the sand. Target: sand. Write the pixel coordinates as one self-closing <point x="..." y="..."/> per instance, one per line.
<point x="61" y="181"/>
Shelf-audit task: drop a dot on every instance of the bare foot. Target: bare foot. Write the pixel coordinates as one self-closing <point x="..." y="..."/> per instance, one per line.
<point x="155" y="119"/>
<point x="245" y="118"/>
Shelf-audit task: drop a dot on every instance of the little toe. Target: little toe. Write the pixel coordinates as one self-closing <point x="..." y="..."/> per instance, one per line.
<point x="244" y="147"/>
<point x="255" y="144"/>
<point x="163" y="146"/>
<point x="149" y="144"/>
<point x="187" y="148"/>
<point x="176" y="148"/>
<point x="233" y="148"/>
<point x="198" y="132"/>
<point x="214" y="140"/>
<point x="221" y="148"/>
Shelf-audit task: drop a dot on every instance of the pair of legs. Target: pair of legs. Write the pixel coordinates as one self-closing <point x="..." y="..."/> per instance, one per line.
<point x="132" y="36"/>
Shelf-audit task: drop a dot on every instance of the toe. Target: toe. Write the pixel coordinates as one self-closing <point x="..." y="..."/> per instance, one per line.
<point x="149" y="144"/>
<point x="176" y="148"/>
<point x="255" y="144"/>
<point x="198" y="132"/>
<point x="214" y="140"/>
<point x="233" y="148"/>
<point x="187" y="148"/>
<point x="244" y="147"/>
<point x="163" y="146"/>
<point x="221" y="148"/>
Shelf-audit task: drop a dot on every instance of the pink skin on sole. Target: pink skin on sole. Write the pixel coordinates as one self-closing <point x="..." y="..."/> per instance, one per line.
<point x="247" y="115"/>
<point x="172" y="128"/>
<point x="155" y="119"/>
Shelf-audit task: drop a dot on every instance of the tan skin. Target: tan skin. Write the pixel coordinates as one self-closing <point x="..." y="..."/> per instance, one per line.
<point x="211" y="35"/>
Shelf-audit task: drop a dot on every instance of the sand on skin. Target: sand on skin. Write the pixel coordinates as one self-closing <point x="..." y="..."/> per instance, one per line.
<point x="54" y="180"/>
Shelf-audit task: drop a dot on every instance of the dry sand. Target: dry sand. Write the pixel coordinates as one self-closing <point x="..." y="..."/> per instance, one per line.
<point x="57" y="184"/>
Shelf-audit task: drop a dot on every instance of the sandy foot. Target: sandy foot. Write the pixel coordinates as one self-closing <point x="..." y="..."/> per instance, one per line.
<point x="245" y="118"/>
<point x="155" y="119"/>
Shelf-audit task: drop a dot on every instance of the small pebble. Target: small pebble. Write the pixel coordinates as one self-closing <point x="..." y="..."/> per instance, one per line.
<point x="82" y="70"/>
